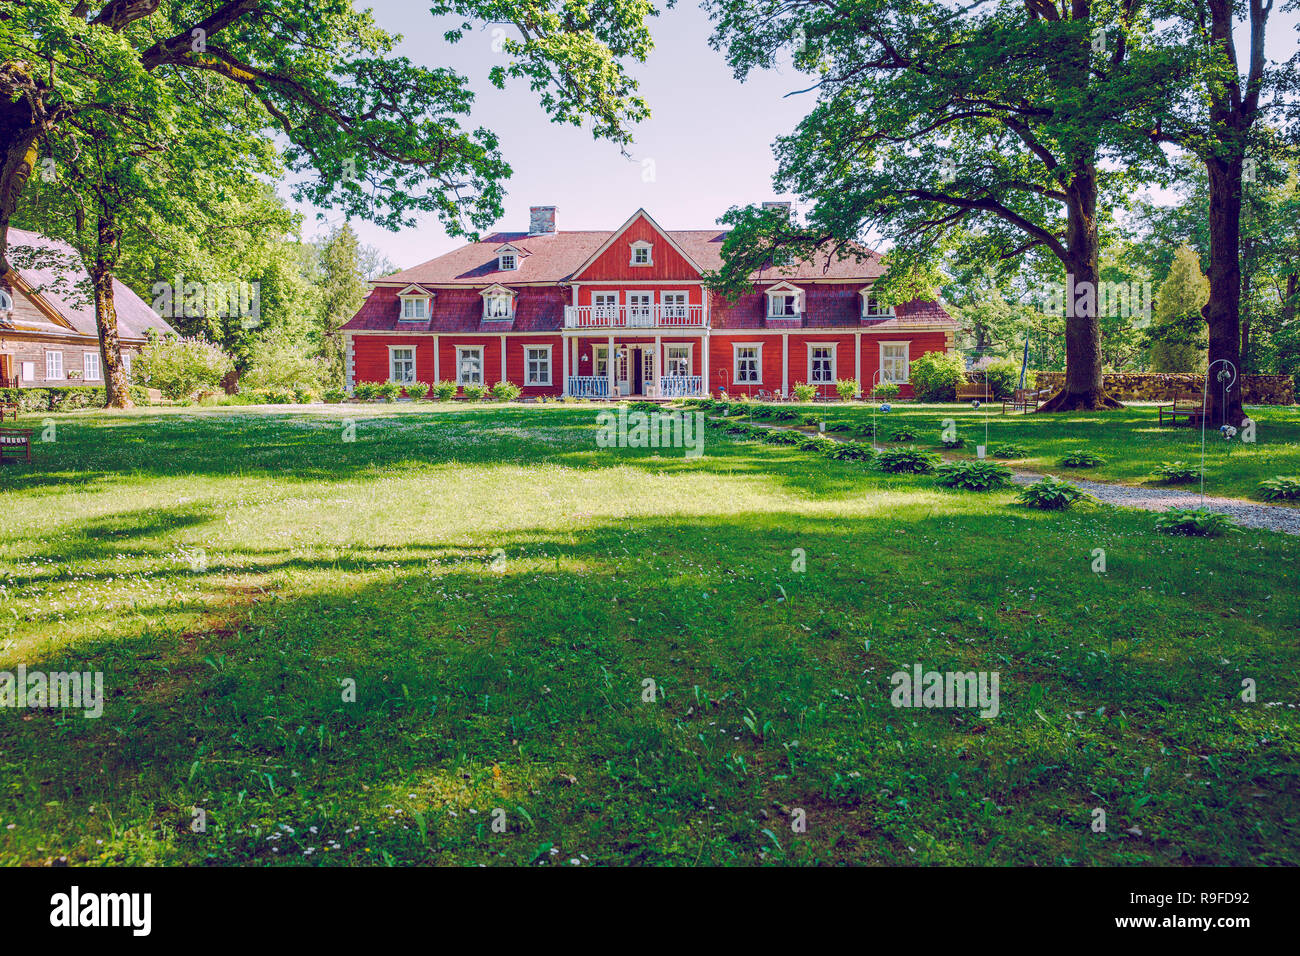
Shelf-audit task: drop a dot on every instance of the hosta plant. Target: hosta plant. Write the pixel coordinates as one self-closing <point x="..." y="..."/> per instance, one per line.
<point x="1010" y="450"/>
<point x="903" y="433"/>
<point x="783" y="437"/>
<point x="814" y="443"/>
<point x="907" y="460"/>
<point x="953" y="443"/>
<point x="1081" y="458"/>
<point x="977" y="475"/>
<point x="1283" y="487"/>
<point x="1051" y="494"/>
<point x="1176" y="472"/>
<point x="850" y="451"/>
<point x="1194" y="521"/>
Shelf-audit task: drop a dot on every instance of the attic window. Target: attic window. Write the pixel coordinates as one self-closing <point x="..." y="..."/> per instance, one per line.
<point x="498" y="303"/>
<point x="415" y="307"/>
<point x="507" y="262"/>
<point x="784" y="301"/>
<point x="641" y="253"/>
<point x="6" y="303"/>
<point x="873" y="308"/>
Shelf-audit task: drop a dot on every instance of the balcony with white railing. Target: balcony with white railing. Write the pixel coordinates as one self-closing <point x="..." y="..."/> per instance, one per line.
<point x="680" y="386"/>
<point x="635" y="317"/>
<point x="588" y="386"/>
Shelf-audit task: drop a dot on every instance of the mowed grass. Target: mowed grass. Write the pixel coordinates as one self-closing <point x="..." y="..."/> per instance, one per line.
<point x="1128" y="439"/>
<point x="501" y="590"/>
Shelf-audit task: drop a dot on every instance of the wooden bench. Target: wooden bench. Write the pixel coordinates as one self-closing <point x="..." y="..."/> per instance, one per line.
<point x="14" y="439"/>
<point x="1183" y="406"/>
<point x="10" y="409"/>
<point x="1026" y="399"/>
<point x="972" y="391"/>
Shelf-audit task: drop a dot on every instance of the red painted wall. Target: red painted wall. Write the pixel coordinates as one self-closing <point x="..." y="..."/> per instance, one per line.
<point x="613" y="262"/>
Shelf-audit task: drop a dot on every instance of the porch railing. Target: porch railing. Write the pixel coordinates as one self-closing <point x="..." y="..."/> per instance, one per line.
<point x="589" y="386"/>
<point x="680" y="386"/>
<point x="634" y="316"/>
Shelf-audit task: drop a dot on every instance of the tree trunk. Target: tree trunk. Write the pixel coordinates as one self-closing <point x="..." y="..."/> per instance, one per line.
<point x="1223" y="311"/>
<point x="18" y="154"/>
<point x="1083" y="375"/>
<point x="117" y="393"/>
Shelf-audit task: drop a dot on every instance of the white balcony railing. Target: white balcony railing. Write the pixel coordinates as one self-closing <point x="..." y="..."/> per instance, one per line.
<point x="680" y="386"/>
<point x="589" y="386"/>
<point x="634" y="316"/>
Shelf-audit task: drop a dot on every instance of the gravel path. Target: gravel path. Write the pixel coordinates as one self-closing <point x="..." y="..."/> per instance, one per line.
<point x="1246" y="513"/>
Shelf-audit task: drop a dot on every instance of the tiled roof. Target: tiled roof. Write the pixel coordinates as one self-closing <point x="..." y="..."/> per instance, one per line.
<point x="54" y="271"/>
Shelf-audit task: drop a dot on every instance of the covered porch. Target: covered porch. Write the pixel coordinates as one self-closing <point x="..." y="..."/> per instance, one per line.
<point x="650" y="367"/>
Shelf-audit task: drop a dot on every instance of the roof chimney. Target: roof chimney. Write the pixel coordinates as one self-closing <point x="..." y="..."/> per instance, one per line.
<point x="786" y="206"/>
<point x="541" y="220"/>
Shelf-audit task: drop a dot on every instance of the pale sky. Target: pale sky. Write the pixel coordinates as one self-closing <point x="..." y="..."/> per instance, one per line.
<point x="708" y="141"/>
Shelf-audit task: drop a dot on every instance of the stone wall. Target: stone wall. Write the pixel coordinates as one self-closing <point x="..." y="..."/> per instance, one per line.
<point x="1164" y="386"/>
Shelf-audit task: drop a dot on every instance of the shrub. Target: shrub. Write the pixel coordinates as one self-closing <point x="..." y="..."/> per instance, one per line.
<point x="278" y="396"/>
<point x="180" y="367"/>
<point x="903" y="433"/>
<point x="1177" y="472"/>
<point x="1194" y="521"/>
<point x="1081" y="458"/>
<point x="782" y="437"/>
<point x="803" y="392"/>
<point x="1010" y="450"/>
<point x="1051" y="494"/>
<point x="936" y="375"/>
<point x="1282" y="487"/>
<point x="366" y="391"/>
<point x="444" y="391"/>
<point x="303" y="395"/>
<point x="418" y="390"/>
<point x="391" y="391"/>
<point x="850" y="451"/>
<point x="1003" y="375"/>
<point x="474" y="393"/>
<point x="280" y="363"/>
<point x="846" y="388"/>
<point x="973" y="475"/>
<point x="909" y="460"/>
<point x="334" y="395"/>
<point x="886" y="391"/>
<point x="507" y="391"/>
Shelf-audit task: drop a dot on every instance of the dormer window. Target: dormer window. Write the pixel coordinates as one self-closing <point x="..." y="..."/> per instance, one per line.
<point x="873" y="308"/>
<point x="784" y="301"/>
<point x="416" y="303"/>
<point x="498" y="303"/>
<point x="641" y="253"/>
<point x="507" y="262"/>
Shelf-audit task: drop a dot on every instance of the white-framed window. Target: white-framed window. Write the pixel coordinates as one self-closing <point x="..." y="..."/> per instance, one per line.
<point x="873" y="308"/>
<point x="783" y="303"/>
<point x="126" y="363"/>
<point x="401" y="363"/>
<point x="600" y="361"/>
<point x="469" y="365"/>
<point x="90" y="366"/>
<point x="507" y="262"/>
<point x="29" y="371"/>
<point x="415" y="307"/>
<point x="605" y="305"/>
<point x="821" y="364"/>
<point x="747" y="361"/>
<point x="640" y="308"/>
<point x="895" y="362"/>
<point x="641" y="253"/>
<point x="675" y="305"/>
<point x="53" y="365"/>
<point x="6" y="303"/>
<point x="677" y="359"/>
<point x="497" y="306"/>
<point x="537" y="364"/>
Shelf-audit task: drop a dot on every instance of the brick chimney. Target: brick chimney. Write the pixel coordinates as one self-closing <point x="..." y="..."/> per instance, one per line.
<point x="541" y="220"/>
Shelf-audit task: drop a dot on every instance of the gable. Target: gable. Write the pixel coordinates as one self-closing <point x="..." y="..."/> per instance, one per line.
<point x="613" y="259"/>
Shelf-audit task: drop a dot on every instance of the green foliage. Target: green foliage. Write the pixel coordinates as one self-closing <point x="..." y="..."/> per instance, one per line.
<point x="474" y="393"/>
<point x="780" y="436"/>
<point x="1002" y="375"/>
<point x="1201" y="522"/>
<point x="886" y="391"/>
<point x="508" y="391"/>
<point x="278" y="362"/>
<point x="850" y="451"/>
<point x="936" y="375"/>
<point x="63" y="398"/>
<point x="803" y="392"/>
<point x="952" y="443"/>
<point x="783" y="413"/>
<point x="1010" y="450"/>
<point x="179" y="367"/>
<point x="1283" y="487"/>
<point x="973" y="475"/>
<point x="1051" y="494"/>
<point x="418" y="390"/>
<point x="903" y="433"/>
<point x="907" y="460"/>
<point x="1080" y="458"/>
<point x="366" y="391"/>
<point x="1177" y="472"/>
<point x="333" y="396"/>
<point x="838" y="426"/>
<point x="846" y="388"/>
<point x="863" y="430"/>
<point x="444" y="391"/>
<point x="818" y="443"/>
<point x="390" y="391"/>
<point x="1177" y="333"/>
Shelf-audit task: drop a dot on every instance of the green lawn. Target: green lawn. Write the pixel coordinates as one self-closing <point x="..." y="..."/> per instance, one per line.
<point x="1129" y="440"/>
<point x="500" y="589"/>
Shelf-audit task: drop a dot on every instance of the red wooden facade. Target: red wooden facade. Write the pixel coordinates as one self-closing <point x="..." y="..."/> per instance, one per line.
<point x="545" y="310"/>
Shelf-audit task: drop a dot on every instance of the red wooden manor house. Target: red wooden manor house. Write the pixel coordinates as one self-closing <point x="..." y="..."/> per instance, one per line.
<point x="627" y="314"/>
